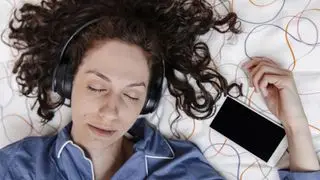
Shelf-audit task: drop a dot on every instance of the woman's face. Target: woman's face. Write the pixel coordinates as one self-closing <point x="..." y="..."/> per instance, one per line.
<point x="109" y="91"/>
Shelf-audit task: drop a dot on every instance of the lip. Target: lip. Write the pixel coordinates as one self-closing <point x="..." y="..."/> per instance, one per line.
<point x="101" y="132"/>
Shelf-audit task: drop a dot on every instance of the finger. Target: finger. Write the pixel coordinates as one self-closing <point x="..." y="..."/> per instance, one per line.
<point x="270" y="60"/>
<point x="260" y="70"/>
<point x="247" y="67"/>
<point x="253" y="71"/>
<point x="279" y="81"/>
<point x="255" y="61"/>
<point x="261" y="60"/>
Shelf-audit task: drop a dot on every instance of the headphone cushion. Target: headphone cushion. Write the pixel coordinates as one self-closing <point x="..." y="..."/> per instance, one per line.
<point x="64" y="80"/>
<point x="154" y="91"/>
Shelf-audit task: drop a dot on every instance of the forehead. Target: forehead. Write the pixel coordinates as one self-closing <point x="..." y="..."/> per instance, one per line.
<point x="119" y="60"/>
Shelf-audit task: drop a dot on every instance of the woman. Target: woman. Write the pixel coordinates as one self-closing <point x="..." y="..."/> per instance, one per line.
<point x="107" y="57"/>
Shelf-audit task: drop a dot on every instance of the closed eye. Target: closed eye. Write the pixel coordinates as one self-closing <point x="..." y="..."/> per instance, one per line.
<point x="132" y="98"/>
<point x="95" y="90"/>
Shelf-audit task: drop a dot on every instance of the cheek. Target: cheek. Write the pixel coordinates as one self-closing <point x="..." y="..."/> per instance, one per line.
<point x="81" y="98"/>
<point x="81" y="105"/>
<point x="127" y="121"/>
<point x="128" y="116"/>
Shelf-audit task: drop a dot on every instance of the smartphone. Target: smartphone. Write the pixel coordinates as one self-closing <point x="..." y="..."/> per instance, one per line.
<point x="253" y="131"/>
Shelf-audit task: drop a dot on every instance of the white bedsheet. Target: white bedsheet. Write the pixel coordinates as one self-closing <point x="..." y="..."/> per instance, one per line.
<point x="259" y="37"/>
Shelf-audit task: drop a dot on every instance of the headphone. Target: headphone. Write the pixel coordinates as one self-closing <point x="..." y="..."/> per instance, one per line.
<point x="62" y="77"/>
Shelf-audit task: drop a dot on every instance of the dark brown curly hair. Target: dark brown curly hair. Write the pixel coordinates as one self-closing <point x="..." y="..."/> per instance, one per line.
<point x="166" y="28"/>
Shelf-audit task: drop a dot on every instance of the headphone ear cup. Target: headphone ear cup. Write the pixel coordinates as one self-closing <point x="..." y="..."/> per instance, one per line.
<point x="68" y="80"/>
<point x="64" y="80"/>
<point x="154" y="91"/>
<point x="154" y="96"/>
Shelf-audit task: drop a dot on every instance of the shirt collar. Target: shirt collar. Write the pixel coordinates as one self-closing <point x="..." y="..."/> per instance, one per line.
<point x="146" y="138"/>
<point x="152" y="141"/>
<point x="63" y="138"/>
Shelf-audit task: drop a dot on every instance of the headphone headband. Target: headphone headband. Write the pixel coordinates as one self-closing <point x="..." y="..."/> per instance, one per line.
<point x="65" y="48"/>
<point x="62" y="76"/>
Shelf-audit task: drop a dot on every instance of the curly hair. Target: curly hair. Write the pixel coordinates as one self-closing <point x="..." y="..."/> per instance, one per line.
<point x="166" y="28"/>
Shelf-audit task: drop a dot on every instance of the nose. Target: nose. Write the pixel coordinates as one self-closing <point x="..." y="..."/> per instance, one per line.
<point x="109" y="108"/>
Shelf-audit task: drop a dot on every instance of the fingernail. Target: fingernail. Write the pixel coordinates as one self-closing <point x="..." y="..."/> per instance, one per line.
<point x="244" y="64"/>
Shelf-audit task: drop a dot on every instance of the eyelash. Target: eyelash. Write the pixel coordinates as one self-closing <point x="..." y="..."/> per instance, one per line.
<point x="95" y="90"/>
<point x="133" y="99"/>
<point x="101" y="90"/>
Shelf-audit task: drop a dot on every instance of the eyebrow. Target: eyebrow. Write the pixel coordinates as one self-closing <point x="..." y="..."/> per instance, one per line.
<point x="102" y="76"/>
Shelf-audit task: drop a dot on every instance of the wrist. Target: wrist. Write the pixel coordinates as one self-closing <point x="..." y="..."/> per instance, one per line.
<point x="297" y="129"/>
<point x="301" y="150"/>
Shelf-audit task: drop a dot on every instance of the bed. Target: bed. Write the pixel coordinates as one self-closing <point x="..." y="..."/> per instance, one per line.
<point x="286" y="31"/>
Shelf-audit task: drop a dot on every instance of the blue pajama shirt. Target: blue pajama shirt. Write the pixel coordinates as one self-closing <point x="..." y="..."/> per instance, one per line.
<point x="155" y="157"/>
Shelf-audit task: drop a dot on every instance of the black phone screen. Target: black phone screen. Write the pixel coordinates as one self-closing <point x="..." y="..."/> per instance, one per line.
<point x="248" y="129"/>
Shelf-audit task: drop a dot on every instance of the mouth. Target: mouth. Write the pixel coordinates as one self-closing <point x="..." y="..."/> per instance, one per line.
<point x="101" y="132"/>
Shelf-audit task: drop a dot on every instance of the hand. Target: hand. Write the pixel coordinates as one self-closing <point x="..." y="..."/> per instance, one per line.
<point x="281" y="96"/>
<point x="278" y="89"/>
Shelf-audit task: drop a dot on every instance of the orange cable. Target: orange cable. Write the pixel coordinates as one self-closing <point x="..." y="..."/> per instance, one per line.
<point x="286" y="34"/>
<point x="314" y="127"/>
<point x="231" y="7"/>
<point x="219" y="151"/>
<point x="246" y="169"/>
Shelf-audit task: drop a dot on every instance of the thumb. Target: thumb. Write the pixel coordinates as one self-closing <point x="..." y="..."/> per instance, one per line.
<point x="276" y="80"/>
<point x="272" y="99"/>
